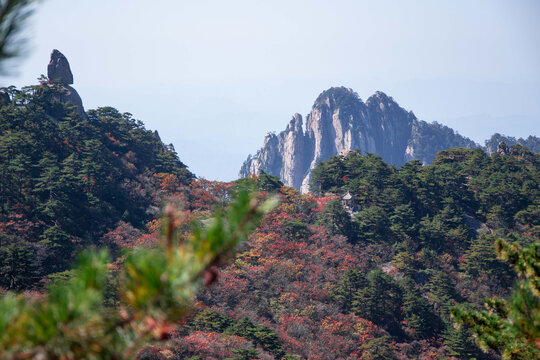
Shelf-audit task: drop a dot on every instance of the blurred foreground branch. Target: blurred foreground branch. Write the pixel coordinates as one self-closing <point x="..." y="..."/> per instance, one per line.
<point x="510" y="327"/>
<point x="155" y="291"/>
<point x="13" y="14"/>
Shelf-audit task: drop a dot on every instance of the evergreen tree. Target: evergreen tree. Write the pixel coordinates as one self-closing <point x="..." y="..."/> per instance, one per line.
<point x="59" y="251"/>
<point x="403" y="220"/>
<point x="345" y="291"/>
<point x="481" y="258"/>
<point x="337" y="220"/>
<point x="156" y="287"/>
<point x="18" y="265"/>
<point x="13" y="15"/>
<point x="372" y="224"/>
<point x="268" y="182"/>
<point x="260" y="335"/>
<point x="510" y="327"/>
<point x="296" y="230"/>
<point x="441" y="292"/>
<point x="380" y="301"/>
<point x="245" y="354"/>
<point x="211" y="320"/>
<point x="460" y="344"/>
<point x="377" y="349"/>
<point x="67" y="180"/>
<point x="417" y="312"/>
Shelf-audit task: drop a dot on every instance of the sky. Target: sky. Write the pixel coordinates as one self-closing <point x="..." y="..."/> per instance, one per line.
<point x="213" y="76"/>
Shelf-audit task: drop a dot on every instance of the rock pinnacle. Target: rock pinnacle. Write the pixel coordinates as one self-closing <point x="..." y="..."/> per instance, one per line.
<point x="58" y="68"/>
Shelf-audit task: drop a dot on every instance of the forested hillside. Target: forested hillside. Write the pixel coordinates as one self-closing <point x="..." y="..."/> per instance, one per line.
<point x="375" y="276"/>
<point x="370" y="265"/>
<point x="66" y="180"/>
<point x="359" y="233"/>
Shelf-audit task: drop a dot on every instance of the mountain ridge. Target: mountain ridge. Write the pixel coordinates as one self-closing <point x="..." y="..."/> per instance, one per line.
<point x="339" y="122"/>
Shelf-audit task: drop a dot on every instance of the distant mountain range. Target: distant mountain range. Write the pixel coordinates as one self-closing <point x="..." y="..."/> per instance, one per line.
<point x="340" y="121"/>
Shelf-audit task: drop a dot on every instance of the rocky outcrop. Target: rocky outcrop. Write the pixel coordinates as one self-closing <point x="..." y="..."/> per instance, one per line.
<point x="494" y="143"/>
<point x="339" y="122"/>
<point x="58" y="71"/>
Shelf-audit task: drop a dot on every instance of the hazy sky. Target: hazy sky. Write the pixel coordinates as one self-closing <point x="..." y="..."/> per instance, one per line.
<point x="214" y="76"/>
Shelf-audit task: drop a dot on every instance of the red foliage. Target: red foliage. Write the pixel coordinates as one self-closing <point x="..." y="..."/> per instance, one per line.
<point x="322" y="201"/>
<point x="205" y="193"/>
<point x="19" y="223"/>
<point x="212" y="345"/>
<point x="285" y="284"/>
<point x="124" y="235"/>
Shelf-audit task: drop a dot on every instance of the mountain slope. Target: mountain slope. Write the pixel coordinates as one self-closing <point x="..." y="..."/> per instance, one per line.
<point x="339" y="122"/>
<point x="67" y="177"/>
<point x="374" y="277"/>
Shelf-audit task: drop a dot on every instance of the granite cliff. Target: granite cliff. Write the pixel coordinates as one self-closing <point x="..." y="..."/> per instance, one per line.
<point x="339" y="122"/>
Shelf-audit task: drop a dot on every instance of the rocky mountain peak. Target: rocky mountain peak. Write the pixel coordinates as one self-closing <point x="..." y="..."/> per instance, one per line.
<point x="336" y="97"/>
<point x="382" y="102"/>
<point x="295" y="124"/>
<point x="380" y="97"/>
<point x="58" y="68"/>
<point x="340" y="121"/>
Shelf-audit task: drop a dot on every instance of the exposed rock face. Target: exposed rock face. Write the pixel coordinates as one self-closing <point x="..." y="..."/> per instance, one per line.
<point x="503" y="149"/>
<point x="339" y="122"/>
<point x="59" y="71"/>
<point x="72" y="96"/>
<point x="494" y="143"/>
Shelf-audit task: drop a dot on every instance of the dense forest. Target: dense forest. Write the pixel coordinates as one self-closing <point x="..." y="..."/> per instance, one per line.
<point x="377" y="262"/>
<point x="377" y="274"/>
<point x="67" y="180"/>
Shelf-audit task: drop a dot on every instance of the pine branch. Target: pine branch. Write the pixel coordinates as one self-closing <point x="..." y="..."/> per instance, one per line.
<point x="13" y="14"/>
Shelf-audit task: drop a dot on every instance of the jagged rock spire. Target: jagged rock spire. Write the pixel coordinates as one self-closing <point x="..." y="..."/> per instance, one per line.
<point x="58" y="69"/>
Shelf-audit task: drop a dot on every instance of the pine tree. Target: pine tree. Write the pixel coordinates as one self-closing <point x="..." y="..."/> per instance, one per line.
<point x="156" y="287"/>
<point x="377" y="349"/>
<point x="59" y="249"/>
<point x="441" y="292"/>
<point x="337" y="220"/>
<point x="460" y="344"/>
<point x="13" y="14"/>
<point x="511" y="327"/>
<point x="347" y="287"/>
<point x="18" y="265"/>
<point x="372" y="224"/>
<point x="269" y="183"/>
<point x="418" y="313"/>
<point x="211" y="320"/>
<point x="380" y="301"/>
<point x="245" y="354"/>
<point x="481" y="259"/>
